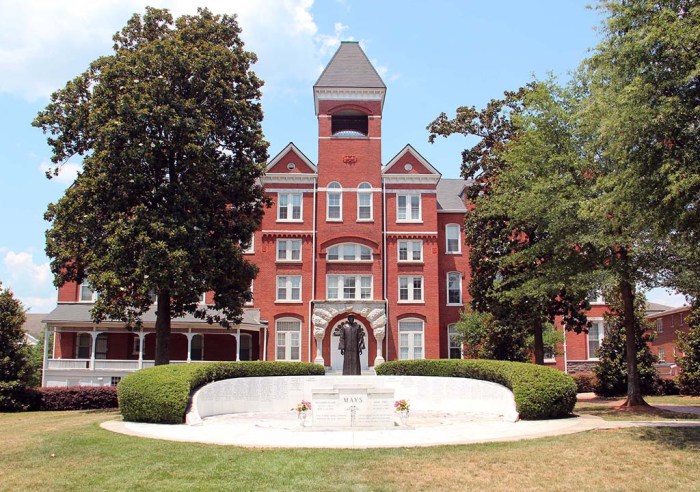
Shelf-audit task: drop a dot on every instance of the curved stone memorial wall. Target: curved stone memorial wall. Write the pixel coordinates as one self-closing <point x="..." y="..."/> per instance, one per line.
<point x="352" y="401"/>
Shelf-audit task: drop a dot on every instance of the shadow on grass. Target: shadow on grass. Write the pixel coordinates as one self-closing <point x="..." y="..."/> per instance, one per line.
<point x="612" y="410"/>
<point x="685" y="438"/>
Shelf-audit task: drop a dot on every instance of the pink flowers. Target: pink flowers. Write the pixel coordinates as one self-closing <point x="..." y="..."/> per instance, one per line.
<point x="302" y="406"/>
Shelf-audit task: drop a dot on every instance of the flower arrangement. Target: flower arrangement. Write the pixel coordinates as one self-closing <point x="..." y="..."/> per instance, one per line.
<point x="402" y="406"/>
<point x="302" y="406"/>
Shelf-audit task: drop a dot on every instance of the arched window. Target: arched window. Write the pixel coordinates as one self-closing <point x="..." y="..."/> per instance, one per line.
<point x="411" y="339"/>
<point x="364" y="202"/>
<point x="288" y="339"/>
<point x="454" y="289"/>
<point x="334" y="205"/>
<point x="349" y="252"/>
<point x="349" y="123"/>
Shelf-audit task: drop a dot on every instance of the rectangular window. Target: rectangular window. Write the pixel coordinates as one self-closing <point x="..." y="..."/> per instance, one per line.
<point x="595" y="338"/>
<point x="662" y="355"/>
<point x="249" y="249"/>
<point x="114" y="380"/>
<point x="454" y="343"/>
<point x="410" y="250"/>
<point x="288" y="340"/>
<point x="250" y="290"/>
<point x="334" y="206"/>
<point x="410" y="339"/>
<point x="289" y="207"/>
<point x="673" y="322"/>
<point x="289" y="288"/>
<point x="352" y="287"/>
<point x="454" y="288"/>
<point x="289" y="250"/>
<point x="452" y="239"/>
<point x="86" y="293"/>
<point x="410" y="289"/>
<point x="659" y="325"/>
<point x="408" y="208"/>
<point x="364" y="206"/>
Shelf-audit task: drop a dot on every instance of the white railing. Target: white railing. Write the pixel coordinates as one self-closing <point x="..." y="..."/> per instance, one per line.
<point x="68" y="364"/>
<point x="117" y="365"/>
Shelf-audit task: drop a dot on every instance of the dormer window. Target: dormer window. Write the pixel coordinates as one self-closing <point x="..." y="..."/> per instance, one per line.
<point x="349" y="124"/>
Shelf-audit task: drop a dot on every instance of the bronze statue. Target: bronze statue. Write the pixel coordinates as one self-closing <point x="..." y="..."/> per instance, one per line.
<point x="351" y="345"/>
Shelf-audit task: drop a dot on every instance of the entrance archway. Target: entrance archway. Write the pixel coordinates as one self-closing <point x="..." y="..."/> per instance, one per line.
<point x="336" y="358"/>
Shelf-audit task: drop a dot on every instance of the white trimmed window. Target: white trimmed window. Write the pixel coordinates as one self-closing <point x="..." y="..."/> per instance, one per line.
<point x="250" y="248"/>
<point x="83" y="346"/>
<point x="408" y="208"/>
<point x="250" y="289"/>
<point x="410" y="250"/>
<point x="289" y="250"/>
<point x="673" y="321"/>
<point x="410" y="289"/>
<point x="659" y="325"/>
<point x="596" y="297"/>
<point x="86" y="293"/>
<point x="289" y="288"/>
<point x="101" y="346"/>
<point x="349" y="252"/>
<point x="411" y="339"/>
<point x="452" y="239"/>
<point x="334" y="203"/>
<point x="662" y="355"/>
<point x="289" y="207"/>
<point x="454" y="344"/>
<point x="364" y="202"/>
<point x="202" y="298"/>
<point x="454" y="289"/>
<point x="595" y="337"/>
<point x="288" y="339"/>
<point x="245" y="351"/>
<point x="352" y="287"/>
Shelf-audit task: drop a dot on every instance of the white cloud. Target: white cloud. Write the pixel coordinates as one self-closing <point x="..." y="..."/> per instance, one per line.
<point x="69" y="171"/>
<point x="666" y="297"/>
<point x="22" y="269"/>
<point x="44" y="43"/>
<point x="39" y="304"/>
<point x="328" y="43"/>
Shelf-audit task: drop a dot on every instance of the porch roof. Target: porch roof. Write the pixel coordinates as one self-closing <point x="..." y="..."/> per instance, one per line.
<point x="79" y="313"/>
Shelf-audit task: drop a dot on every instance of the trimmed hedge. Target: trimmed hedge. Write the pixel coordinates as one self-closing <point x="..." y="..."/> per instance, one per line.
<point x="77" y="398"/>
<point x="585" y="382"/>
<point x="540" y="392"/>
<point x="160" y="394"/>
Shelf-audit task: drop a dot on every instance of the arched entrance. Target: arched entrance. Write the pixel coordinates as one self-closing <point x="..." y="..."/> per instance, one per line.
<point x="336" y="358"/>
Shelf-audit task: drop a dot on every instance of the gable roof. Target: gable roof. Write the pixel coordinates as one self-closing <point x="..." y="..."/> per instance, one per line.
<point x="449" y="195"/>
<point x="350" y="68"/>
<point x="291" y="148"/>
<point x="409" y="148"/>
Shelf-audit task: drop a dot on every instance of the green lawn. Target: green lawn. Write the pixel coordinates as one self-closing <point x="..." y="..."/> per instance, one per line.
<point x="69" y="451"/>
<point x="609" y="408"/>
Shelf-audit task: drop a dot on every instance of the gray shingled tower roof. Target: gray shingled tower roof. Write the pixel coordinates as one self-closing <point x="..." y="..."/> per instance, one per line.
<point x="350" y="68"/>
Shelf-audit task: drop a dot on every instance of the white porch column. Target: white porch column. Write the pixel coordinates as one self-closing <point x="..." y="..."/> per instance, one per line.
<point x="238" y="344"/>
<point x="45" y="363"/>
<point x="265" y="341"/>
<point x="189" y="336"/>
<point x="142" y="339"/>
<point x="93" y="335"/>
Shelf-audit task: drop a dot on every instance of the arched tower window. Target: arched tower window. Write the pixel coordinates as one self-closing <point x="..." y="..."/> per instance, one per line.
<point x="349" y="124"/>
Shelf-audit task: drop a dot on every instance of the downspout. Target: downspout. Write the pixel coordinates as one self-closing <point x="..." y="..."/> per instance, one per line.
<point x="313" y="269"/>
<point x="384" y="266"/>
<point x="566" y="360"/>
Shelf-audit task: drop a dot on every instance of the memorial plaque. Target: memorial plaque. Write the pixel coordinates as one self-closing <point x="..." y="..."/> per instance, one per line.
<point x="349" y="406"/>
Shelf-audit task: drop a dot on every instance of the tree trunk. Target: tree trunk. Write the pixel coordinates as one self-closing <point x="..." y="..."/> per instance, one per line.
<point x="539" y="342"/>
<point x="634" y="390"/>
<point x="163" y="328"/>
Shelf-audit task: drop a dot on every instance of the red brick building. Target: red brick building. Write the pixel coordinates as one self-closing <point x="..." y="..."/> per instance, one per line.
<point x="345" y="235"/>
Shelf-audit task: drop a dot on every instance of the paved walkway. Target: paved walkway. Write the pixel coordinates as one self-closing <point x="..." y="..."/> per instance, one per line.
<point x="256" y="430"/>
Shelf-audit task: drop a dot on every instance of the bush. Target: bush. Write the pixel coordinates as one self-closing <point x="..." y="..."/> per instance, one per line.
<point x="689" y="362"/>
<point x="663" y="387"/>
<point x="160" y="394"/>
<point x="585" y="382"/>
<point x="77" y="398"/>
<point x="540" y="392"/>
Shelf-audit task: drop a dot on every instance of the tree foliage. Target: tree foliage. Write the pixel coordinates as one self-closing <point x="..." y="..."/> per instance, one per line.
<point x="169" y="130"/>
<point x="15" y="366"/>
<point x="689" y="360"/>
<point x="611" y="370"/>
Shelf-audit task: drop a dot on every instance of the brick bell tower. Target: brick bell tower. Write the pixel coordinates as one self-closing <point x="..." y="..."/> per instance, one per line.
<point x="348" y="101"/>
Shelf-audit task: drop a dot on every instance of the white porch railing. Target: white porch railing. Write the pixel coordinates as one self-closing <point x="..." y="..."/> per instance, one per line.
<point x="68" y="364"/>
<point x="105" y="364"/>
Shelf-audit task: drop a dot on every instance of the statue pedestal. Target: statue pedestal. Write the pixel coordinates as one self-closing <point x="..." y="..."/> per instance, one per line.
<point x="353" y="406"/>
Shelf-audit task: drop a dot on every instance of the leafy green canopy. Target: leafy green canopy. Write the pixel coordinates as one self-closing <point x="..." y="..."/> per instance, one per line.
<point x="169" y="130"/>
<point x="15" y="366"/>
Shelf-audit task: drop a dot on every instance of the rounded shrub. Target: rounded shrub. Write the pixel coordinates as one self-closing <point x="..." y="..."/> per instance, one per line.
<point x="540" y="392"/>
<point x="160" y="394"/>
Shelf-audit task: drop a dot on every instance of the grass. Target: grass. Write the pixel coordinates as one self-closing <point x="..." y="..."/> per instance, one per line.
<point x="68" y="451"/>
<point x="609" y="408"/>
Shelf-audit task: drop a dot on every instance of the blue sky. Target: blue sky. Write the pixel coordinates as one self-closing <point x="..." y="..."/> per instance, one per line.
<point x="433" y="56"/>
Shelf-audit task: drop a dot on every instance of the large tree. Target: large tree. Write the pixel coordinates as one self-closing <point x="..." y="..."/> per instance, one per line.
<point x="169" y="130"/>
<point x="15" y="366"/>
<point x="495" y="237"/>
